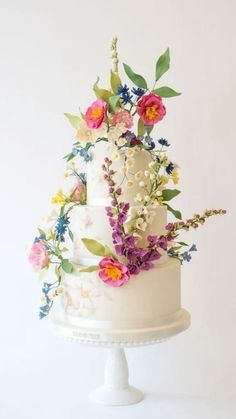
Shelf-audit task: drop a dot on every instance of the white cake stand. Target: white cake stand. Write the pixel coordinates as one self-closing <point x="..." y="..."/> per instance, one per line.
<point x="116" y="390"/>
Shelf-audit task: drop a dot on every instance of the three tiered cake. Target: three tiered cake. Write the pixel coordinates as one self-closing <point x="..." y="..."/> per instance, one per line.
<point x="124" y="274"/>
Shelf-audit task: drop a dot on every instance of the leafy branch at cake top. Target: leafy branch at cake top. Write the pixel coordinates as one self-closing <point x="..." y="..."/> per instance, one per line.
<point x="112" y="114"/>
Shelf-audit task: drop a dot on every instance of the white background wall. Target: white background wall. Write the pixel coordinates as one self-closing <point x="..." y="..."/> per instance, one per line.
<point x="51" y="52"/>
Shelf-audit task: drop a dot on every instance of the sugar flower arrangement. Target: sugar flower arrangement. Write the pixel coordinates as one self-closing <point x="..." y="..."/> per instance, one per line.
<point x="124" y="117"/>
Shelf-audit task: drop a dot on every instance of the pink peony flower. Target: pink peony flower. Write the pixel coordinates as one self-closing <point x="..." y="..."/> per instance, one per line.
<point x="38" y="256"/>
<point x="113" y="273"/>
<point x="78" y="192"/>
<point x="96" y="113"/>
<point x="151" y="109"/>
<point x="122" y="117"/>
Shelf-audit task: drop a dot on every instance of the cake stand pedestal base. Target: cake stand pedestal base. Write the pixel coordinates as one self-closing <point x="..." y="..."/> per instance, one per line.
<point x="116" y="390"/>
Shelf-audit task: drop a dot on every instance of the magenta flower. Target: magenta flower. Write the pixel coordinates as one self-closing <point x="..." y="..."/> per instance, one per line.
<point x="113" y="273"/>
<point x="38" y="256"/>
<point x="96" y="113"/>
<point x="151" y="109"/>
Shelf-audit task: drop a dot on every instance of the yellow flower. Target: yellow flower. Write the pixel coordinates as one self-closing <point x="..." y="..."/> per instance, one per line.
<point x="175" y="176"/>
<point x="58" y="198"/>
<point x="160" y="200"/>
<point x="164" y="180"/>
<point x="59" y="291"/>
<point x="130" y="162"/>
<point x="130" y="152"/>
<point x="130" y="183"/>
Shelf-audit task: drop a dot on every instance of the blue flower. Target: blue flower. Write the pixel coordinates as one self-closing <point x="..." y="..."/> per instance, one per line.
<point x="193" y="248"/>
<point x="75" y="151"/>
<point x="138" y="91"/>
<point x="46" y="287"/>
<point x="61" y="227"/>
<point x="85" y="154"/>
<point x="171" y="251"/>
<point x="123" y="92"/>
<point x="151" y="143"/>
<point x="170" y="168"/>
<point x="186" y="256"/>
<point x="163" y="142"/>
<point x="83" y="177"/>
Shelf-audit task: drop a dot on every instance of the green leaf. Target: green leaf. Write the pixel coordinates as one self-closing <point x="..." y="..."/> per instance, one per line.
<point x="64" y="249"/>
<point x="109" y="252"/>
<point x="101" y="93"/>
<point x="67" y="266"/>
<point x="69" y="156"/>
<point x="141" y="127"/>
<point x="96" y="248"/>
<point x="113" y="102"/>
<point x="182" y="243"/>
<point x="71" y="235"/>
<point x="163" y="64"/>
<point x="176" y="213"/>
<point x="148" y="128"/>
<point x="115" y="81"/>
<point x="169" y="194"/>
<point x="73" y="119"/>
<point x="41" y="232"/>
<point x="166" y="92"/>
<point x="135" y="78"/>
<point x="57" y="272"/>
<point x="91" y="268"/>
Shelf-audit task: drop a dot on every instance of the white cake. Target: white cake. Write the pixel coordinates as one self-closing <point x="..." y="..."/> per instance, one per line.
<point x="148" y="301"/>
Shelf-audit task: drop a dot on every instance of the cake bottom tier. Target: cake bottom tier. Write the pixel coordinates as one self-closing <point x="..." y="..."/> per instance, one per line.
<point x="149" y="300"/>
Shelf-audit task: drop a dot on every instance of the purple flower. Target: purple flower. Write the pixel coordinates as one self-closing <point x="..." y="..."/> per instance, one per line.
<point x="116" y="237"/>
<point x="162" y="243"/>
<point x="146" y="266"/>
<point x="119" y="248"/>
<point x="152" y="239"/>
<point x="109" y="211"/>
<point x="132" y="253"/>
<point x="154" y="255"/>
<point x="124" y="206"/>
<point x="114" y="202"/>
<point x="130" y="240"/>
<point x="170" y="226"/>
<point x="118" y="191"/>
<point x="112" y="222"/>
<point x="122" y="217"/>
<point x="133" y="269"/>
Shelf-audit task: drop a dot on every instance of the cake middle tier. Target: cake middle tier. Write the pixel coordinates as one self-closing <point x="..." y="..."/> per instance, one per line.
<point x="92" y="222"/>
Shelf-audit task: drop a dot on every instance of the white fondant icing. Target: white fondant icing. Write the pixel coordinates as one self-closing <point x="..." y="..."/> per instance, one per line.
<point x="149" y="299"/>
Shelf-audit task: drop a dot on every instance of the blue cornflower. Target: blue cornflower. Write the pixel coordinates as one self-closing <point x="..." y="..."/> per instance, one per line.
<point x="170" y="168"/>
<point x="138" y="91"/>
<point x="163" y="142"/>
<point x="186" y="256"/>
<point x="193" y="248"/>
<point x="75" y="151"/>
<point x="151" y="143"/>
<point x="39" y="238"/>
<point x="83" y="177"/>
<point x="61" y="227"/>
<point x="171" y="251"/>
<point x="46" y="287"/>
<point x="123" y="92"/>
<point x="85" y="154"/>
